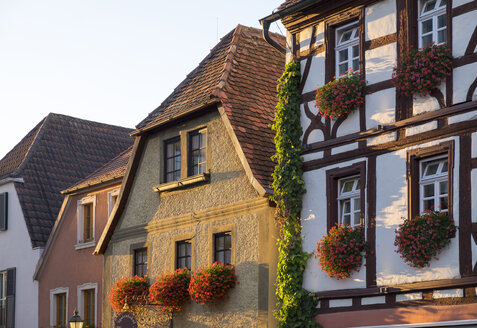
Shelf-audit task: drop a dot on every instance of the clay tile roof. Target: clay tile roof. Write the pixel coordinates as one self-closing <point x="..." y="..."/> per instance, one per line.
<point x="116" y="168"/>
<point x="59" y="151"/>
<point x="287" y="4"/>
<point x="241" y="74"/>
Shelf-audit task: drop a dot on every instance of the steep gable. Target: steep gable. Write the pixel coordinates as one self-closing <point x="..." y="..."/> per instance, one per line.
<point x="56" y="153"/>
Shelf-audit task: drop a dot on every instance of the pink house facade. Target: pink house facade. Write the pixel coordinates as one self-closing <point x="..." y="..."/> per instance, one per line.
<point x="68" y="275"/>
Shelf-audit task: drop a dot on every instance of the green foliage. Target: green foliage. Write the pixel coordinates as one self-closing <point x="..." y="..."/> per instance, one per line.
<point x="297" y="306"/>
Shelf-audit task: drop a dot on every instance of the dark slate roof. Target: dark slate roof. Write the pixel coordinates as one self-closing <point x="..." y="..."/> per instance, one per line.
<point x="57" y="152"/>
<point x="240" y="73"/>
<point x="114" y="169"/>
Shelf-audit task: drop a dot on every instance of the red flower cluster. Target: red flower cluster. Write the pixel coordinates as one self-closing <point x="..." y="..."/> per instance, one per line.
<point x="170" y="291"/>
<point x="340" y="252"/>
<point x="421" y="238"/>
<point x="421" y="71"/>
<point x="129" y="289"/>
<point x="211" y="283"/>
<point x="339" y="97"/>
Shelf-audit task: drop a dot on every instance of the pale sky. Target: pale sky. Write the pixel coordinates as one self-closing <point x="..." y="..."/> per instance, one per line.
<point x="111" y="61"/>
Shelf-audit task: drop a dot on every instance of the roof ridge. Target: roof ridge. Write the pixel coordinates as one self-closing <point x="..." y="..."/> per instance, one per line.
<point x="33" y="145"/>
<point x="228" y="63"/>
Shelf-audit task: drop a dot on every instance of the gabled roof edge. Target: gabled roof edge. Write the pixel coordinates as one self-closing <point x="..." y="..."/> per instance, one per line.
<point x="238" y="148"/>
<point x="128" y="180"/>
<point x="51" y="240"/>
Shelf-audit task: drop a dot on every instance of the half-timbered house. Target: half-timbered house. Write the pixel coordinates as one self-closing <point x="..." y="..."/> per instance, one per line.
<point x="375" y="166"/>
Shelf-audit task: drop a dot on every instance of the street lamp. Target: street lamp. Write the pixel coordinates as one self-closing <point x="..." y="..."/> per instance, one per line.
<point x="76" y="321"/>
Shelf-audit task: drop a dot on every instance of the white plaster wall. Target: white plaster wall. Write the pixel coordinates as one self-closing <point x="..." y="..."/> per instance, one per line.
<point x="462" y="28"/>
<point x="473" y="198"/>
<point x="345" y="148"/>
<point x="380" y="108"/>
<point x="391" y="206"/>
<point x="380" y="63"/>
<point x="17" y="252"/>
<point x="463" y="117"/>
<point x="380" y="19"/>
<point x="422" y="104"/>
<point x="474" y="145"/>
<point x="464" y="76"/>
<point x="349" y="125"/>
<point x="312" y="156"/>
<point x="314" y="227"/>
<point x="457" y="3"/>
<point x="316" y="75"/>
<point x="421" y="128"/>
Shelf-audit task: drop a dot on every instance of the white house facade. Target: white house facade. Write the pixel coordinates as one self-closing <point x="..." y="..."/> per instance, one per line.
<point x="375" y="166"/>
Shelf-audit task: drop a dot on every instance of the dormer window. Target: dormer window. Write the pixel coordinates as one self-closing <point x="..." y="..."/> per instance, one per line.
<point x="347" y="48"/>
<point x="86" y="219"/>
<point x="432" y="22"/>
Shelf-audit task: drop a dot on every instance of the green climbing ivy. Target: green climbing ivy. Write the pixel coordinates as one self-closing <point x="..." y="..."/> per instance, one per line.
<point x="296" y="305"/>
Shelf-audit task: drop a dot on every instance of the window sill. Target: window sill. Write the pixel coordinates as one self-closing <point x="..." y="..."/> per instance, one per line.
<point x="174" y="185"/>
<point x="88" y="244"/>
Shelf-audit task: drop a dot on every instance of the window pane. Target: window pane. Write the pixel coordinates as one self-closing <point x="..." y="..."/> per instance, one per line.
<point x="348" y="186"/>
<point x="219" y="257"/>
<point x="346" y="219"/>
<point x="429" y="5"/>
<point x="444" y="203"/>
<point x="443" y="188"/>
<point x="355" y="51"/>
<point x="441" y="36"/>
<point x="428" y="204"/>
<point x="428" y="190"/>
<point x="426" y="40"/>
<point x="357" y="218"/>
<point x="346" y="206"/>
<point x="426" y="26"/>
<point x="355" y="65"/>
<point x="358" y="185"/>
<point x="357" y="204"/>
<point x="445" y="167"/>
<point x="441" y="21"/>
<point x="431" y="168"/>
<point x="343" y="55"/>
<point x="346" y="36"/>
<point x="443" y="3"/>
<point x="342" y="69"/>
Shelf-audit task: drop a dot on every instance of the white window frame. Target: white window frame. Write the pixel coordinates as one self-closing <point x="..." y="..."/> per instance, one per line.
<point x="351" y="196"/>
<point x="354" y="41"/>
<point x="80" y="224"/>
<point x="435" y="179"/>
<point x="111" y="195"/>
<point x="434" y="15"/>
<point x="53" y="292"/>
<point x="80" y="290"/>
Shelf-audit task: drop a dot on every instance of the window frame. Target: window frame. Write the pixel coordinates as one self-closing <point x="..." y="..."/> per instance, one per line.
<point x="3" y="298"/>
<point x="3" y="211"/>
<point x="332" y="24"/>
<point x="177" y="256"/>
<point x="435" y="181"/>
<point x="113" y="194"/>
<point x="190" y="151"/>
<point x="333" y="176"/>
<point x="81" y="300"/>
<point x="414" y="159"/>
<point x="434" y="15"/>
<point x="81" y="243"/>
<point x="230" y="250"/>
<point x="142" y="264"/>
<point x="347" y="45"/>
<point x="53" y="305"/>
<point x="165" y="158"/>
<point x="351" y="196"/>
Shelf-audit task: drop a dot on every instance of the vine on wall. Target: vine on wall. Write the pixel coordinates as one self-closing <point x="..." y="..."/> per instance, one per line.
<point x="297" y="306"/>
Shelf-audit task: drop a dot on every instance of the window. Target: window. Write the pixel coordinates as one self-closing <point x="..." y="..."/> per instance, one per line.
<point x="112" y="199"/>
<point x="349" y="201"/>
<point x="172" y="160"/>
<point x="434" y="184"/>
<point x="140" y="262"/>
<point x="430" y="178"/>
<point x="3" y="211"/>
<point x="223" y="247"/>
<point x="345" y="193"/>
<point x="432" y="22"/>
<point x="86" y="219"/>
<point x="87" y="299"/>
<point x="197" y="152"/>
<point x="7" y="298"/>
<point x="59" y="307"/>
<point x="183" y="254"/>
<point x="347" y="48"/>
